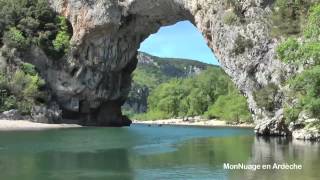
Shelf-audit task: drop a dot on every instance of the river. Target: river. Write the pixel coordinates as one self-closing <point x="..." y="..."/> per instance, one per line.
<point x="151" y="153"/>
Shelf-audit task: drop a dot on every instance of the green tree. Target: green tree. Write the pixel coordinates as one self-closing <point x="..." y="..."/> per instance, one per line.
<point x="14" y="38"/>
<point x="307" y="88"/>
<point x="194" y="96"/>
<point x="198" y="101"/>
<point x="166" y="98"/>
<point x="20" y="90"/>
<point x="61" y="42"/>
<point x="231" y="107"/>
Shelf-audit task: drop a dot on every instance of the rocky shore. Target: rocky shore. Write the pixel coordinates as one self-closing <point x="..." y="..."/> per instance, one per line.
<point x="305" y="134"/>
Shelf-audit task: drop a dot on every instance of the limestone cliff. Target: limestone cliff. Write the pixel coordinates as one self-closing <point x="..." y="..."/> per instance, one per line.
<point x="93" y="79"/>
<point x="107" y="34"/>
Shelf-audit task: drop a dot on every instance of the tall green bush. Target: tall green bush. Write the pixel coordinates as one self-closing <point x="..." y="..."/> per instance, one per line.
<point x="232" y="107"/>
<point x="20" y="90"/>
<point x="61" y="42"/>
<point x="14" y="38"/>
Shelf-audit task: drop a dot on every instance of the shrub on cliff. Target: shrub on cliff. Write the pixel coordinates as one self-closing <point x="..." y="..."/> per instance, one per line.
<point x="25" y="23"/>
<point x="307" y="48"/>
<point x="265" y="97"/>
<point x="305" y="86"/>
<point x="289" y="17"/>
<point x="241" y="44"/>
<point x="307" y="89"/>
<point x="291" y="113"/>
<point x="312" y="30"/>
<point x="294" y="52"/>
<point x="19" y="90"/>
<point x="14" y="38"/>
<point x="230" y="18"/>
<point x="61" y="42"/>
<point x="289" y="50"/>
<point x="29" y="69"/>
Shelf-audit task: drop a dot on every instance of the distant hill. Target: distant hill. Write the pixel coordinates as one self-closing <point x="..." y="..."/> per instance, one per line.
<point x="152" y="71"/>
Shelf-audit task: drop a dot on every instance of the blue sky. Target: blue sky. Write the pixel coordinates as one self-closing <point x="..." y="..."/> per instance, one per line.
<point x="181" y="40"/>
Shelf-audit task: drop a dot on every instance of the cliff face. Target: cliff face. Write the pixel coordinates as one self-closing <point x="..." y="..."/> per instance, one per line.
<point x="96" y="75"/>
<point x="152" y="71"/>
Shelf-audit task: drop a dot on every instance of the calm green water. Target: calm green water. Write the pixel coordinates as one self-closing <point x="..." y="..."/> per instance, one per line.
<point x="142" y="152"/>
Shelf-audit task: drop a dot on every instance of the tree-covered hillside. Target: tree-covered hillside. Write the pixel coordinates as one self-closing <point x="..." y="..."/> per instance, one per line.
<point x="168" y="88"/>
<point x="151" y="72"/>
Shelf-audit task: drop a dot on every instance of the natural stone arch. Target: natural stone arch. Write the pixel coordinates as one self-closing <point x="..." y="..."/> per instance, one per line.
<point x="107" y="34"/>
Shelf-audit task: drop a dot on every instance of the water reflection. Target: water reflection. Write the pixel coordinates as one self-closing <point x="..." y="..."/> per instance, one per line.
<point x="110" y="164"/>
<point x="203" y="158"/>
<point x="280" y="151"/>
<point x="104" y="164"/>
<point x="151" y="153"/>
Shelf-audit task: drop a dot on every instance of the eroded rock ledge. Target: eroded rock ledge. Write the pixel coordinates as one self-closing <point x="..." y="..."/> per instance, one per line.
<point x="94" y="79"/>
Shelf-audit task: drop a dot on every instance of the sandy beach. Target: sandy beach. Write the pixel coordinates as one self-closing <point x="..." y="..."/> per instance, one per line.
<point x="23" y="125"/>
<point x="204" y="123"/>
<point x="20" y="125"/>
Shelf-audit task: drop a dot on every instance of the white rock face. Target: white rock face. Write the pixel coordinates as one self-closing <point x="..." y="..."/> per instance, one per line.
<point x="107" y="34"/>
<point x="306" y="134"/>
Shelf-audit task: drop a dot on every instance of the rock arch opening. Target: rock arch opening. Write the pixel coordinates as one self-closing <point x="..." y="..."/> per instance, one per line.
<point x="180" y="40"/>
<point x="177" y="51"/>
<point x="107" y="35"/>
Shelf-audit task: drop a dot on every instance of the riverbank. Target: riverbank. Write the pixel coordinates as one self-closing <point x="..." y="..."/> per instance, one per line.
<point x="199" y="122"/>
<point x="23" y="125"/>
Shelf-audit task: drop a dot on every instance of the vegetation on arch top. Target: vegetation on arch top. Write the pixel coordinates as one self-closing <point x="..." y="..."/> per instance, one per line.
<point x="27" y="23"/>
